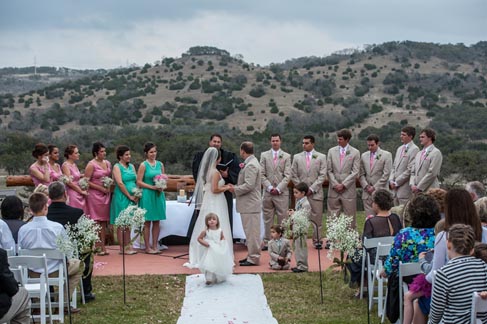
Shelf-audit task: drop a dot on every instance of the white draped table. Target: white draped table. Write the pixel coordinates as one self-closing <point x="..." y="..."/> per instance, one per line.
<point x="178" y="217"/>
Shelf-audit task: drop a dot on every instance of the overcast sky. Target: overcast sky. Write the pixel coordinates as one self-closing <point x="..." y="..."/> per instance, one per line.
<point x="108" y="34"/>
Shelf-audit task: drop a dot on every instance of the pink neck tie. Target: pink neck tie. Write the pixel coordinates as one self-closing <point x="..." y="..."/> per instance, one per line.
<point x="308" y="161"/>
<point x="275" y="158"/>
<point x="403" y="150"/>
<point x="372" y="156"/>
<point x="342" y="156"/>
<point x="423" y="154"/>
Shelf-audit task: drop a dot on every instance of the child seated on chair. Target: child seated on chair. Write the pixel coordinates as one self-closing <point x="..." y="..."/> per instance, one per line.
<point x="279" y="249"/>
<point x="458" y="279"/>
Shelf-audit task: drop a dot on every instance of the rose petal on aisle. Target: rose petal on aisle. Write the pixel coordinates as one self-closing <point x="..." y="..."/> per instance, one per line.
<point x="238" y="300"/>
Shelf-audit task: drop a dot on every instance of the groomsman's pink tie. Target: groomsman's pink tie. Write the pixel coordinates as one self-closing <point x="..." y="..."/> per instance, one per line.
<point x="423" y="154"/>
<point x="308" y="160"/>
<point x="372" y="156"/>
<point x="275" y="158"/>
<point x="403" y="150"/>
<point x="342" y="156"/>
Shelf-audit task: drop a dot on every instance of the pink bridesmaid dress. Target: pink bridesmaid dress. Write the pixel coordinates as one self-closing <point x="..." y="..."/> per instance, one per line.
<point x="75" y="199"/>
<point x="35" y="180"/>
<point x="55" y="175"/>
<point x="97" y="202"/>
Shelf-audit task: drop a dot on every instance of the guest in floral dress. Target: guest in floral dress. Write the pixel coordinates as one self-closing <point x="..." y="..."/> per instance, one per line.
<point x="54" y="167"/>
<point x="76" y="195"/>
<point x="153" y="199"/>
<point x="98" y="199"/>
<point x="123" y="195"/>
<point x="39" y="170"/>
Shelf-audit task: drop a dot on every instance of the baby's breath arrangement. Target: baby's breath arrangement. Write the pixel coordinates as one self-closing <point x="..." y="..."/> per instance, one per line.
<point x="341" y="237"/>
<point x="80" y="238"/>
<point x="131" y="217"/>
<point x="65" y="179"/>
<point x="107" y="182"/>
<point x="296" y="226"/>
<point x="83" y="184"/>
<point x="137" y="192"/>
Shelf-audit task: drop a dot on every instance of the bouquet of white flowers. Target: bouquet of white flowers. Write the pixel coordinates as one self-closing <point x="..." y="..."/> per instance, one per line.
<point x="296" y="226"/>
<point x="80" y="238"/>
<point x="83" y="183"/>
<point x="160" y="181"/>
<point x="65" y="179"/>
<point x="107" y="182"/>
<point x="341" y="237"/>
<point x="132" y="216"/>
<point x="137" y="192"/>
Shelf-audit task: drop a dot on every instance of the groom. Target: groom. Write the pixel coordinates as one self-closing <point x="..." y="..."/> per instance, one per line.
<point x="249" y="202"/>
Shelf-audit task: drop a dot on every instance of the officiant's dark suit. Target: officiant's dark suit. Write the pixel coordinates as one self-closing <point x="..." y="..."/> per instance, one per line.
<point x="230" y="176"/>
<point x="63" y="214"/>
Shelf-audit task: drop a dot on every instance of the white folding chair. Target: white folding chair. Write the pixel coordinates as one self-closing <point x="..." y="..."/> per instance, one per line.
<point x="368" y="244"/>
<point x="405" y="270"/>
<point x="61" y="281"/>
<point x="479" y="305"/>
<point x="382" y="251"/>
<point x="37" y="287"/>
<point x="10" y="252"/>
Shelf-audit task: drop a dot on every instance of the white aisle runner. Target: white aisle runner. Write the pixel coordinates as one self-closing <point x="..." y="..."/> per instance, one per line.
<point x="239" y="300"/>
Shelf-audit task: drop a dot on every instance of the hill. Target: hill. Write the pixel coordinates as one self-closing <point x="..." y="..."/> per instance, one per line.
<point x="374" y="90"/>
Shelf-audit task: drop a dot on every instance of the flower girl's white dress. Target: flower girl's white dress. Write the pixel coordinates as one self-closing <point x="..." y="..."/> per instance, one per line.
<point x="217" y="260"/>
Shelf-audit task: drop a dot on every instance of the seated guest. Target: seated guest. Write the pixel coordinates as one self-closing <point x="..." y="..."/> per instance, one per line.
<point x="64" y="214"/>
<point x="12" y="214"/>
<point x="14" y="300"/>
<point x="476" y="189"/>
<point x="481" y="205"/>
<point x="6" y="239"/>
<point x="458" y="279"/>
<point x="42" y="233"/>
<point x="439" y="195"/>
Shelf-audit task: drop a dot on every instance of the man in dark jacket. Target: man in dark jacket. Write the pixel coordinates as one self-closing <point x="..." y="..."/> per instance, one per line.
<point x="14" y="300"/>
<point x="60" y="212"/>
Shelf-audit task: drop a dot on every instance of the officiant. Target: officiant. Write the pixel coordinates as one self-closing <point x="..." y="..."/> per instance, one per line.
<point x="229" y="169"/>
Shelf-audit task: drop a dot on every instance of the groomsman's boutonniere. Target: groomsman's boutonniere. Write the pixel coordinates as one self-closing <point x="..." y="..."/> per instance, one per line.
<point x="347" y="152"/>
<point x="280" y="155"/>
<point x="241" y="165"/>
<point x="314" y="156"/>
<point x="377" y="157"/>
<point x="406" y="150"/>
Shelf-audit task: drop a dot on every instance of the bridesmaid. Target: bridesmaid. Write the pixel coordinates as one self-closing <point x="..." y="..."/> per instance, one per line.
<point x="76" y="195"/>
<point x="54" y="167"/>
<point x="98" y="199"/>
<point x="125" y="177"/>
<point x="153" y="199"/>
<point x="39" y="170"/>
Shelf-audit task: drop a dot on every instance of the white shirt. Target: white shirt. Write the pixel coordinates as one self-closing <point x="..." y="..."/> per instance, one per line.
<point x="6" y="239"/>
<point x="41" y="233"/>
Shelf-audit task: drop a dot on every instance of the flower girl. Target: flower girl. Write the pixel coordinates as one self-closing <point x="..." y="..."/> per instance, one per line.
<point x="217" y="261"/>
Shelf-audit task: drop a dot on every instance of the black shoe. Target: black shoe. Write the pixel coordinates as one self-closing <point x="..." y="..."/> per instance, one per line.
<point x="90" y="297"/>
<point x="243" y="260"/>
<point x="265" y="248"/>
<point x="318" y="246"/>
<point x="247" y="264"/>
<point x="327" y="245"/>
<point x="297" y="270"/>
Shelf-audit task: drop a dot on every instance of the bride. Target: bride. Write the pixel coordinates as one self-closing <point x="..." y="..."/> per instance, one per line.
<point x="209" y="197"/>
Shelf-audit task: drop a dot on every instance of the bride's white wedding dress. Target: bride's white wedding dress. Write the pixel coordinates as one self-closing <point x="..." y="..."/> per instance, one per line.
<point x="212" y="203"/>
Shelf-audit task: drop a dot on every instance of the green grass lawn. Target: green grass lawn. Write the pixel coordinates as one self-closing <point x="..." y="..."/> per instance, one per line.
<point x="293" y="298"/>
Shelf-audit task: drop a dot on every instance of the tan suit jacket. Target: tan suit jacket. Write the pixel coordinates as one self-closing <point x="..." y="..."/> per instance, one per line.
<point x="277" y="176"/>
<point x="276" y="250"/>
<point x="401" y="171"/>
<point x="314" y="177"/>
<point x="345" y="174"/>
<point x="249" y="205"/>
<point x="424" y="173"/>
<point x="378" y="177"/>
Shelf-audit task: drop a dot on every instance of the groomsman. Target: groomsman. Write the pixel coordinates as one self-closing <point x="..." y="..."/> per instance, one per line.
<point x="343" y="170"/>
<point x="275" y="167"/>
<point x="309" y="167"/>
<point x="375" y="168"/>
<point x="249" y="202"/>
<point x="403" y="163"/>
<point x="427" y="164"/>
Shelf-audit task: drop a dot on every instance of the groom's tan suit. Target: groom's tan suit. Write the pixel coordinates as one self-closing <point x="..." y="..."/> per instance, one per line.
<point x="276" y="173"/>
<point x="249" y="205"/>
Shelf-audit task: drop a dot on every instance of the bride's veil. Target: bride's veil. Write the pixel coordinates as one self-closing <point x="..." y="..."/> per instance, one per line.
<point x="208" y="162"/>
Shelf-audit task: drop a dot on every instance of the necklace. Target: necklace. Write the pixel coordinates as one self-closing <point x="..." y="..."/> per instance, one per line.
<point x="152" y="166"/>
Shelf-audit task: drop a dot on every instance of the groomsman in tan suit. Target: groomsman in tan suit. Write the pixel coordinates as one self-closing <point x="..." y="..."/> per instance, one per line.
<point x="309" y="167"/>
<point x="403" y="163"/>
<point x="343" y="170"/>
<point x="375" y="169"/>
<point x="275" y="167"/>
<point x="427" y="164"/>
<point x="249" y="202"/>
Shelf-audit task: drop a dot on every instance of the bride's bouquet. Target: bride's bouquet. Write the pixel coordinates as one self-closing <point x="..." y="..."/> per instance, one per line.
<point x="160" y="181"/>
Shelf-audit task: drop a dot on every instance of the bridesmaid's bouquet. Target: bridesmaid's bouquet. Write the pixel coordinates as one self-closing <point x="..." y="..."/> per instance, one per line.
<point x="106" y="182"/>
<point x="296" y="226"/>
<point x="83" y="184"/>
<point x="137" y="192"/>
<point x="65" y="179"/>
<point x="160" y="181"/>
